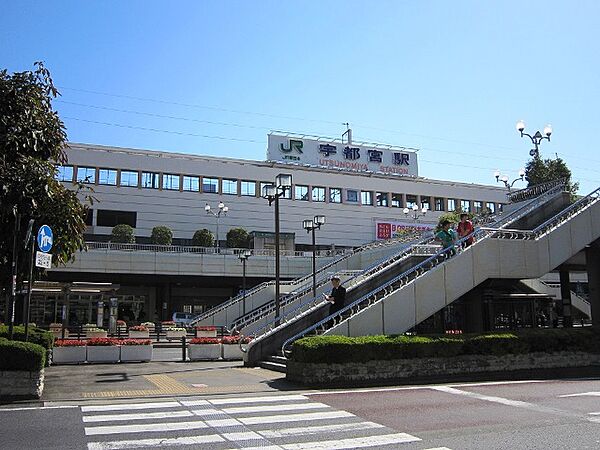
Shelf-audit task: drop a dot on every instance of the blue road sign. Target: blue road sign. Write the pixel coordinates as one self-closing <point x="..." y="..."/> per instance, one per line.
<point x="45" y="238"/>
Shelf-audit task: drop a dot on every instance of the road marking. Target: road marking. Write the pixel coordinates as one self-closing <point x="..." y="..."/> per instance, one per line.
<point x="139" y="416"/>
<point x="256" y="420"/>
<point x="582" y="394"/>
<point x="594" y="414"/>
<point x="170" y="442"/>
<point x="363" y="442"/>
<point x="217" y="423"/>
<point x="242" y="436"/>
<point x="299" y="431"/>
<point x="128" y="406"/>
<point x="272" y="398"/>
<point x="35" y="408"/>
<point x="194" y="402"/>
<point x="208" y="412"/>
<point x="146" y="427"/>
<point x="271" y="408"/>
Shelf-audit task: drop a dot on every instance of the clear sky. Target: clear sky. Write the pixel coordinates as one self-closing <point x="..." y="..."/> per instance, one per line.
<point x="213" y="77"/>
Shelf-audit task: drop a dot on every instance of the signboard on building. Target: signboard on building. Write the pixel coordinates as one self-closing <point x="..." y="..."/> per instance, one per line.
<point x="335" y="154"/>
<point x="390" y="230"/>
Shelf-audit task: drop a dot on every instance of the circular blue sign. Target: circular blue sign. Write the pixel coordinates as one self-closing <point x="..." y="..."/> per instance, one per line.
<point x="45" y="238"/>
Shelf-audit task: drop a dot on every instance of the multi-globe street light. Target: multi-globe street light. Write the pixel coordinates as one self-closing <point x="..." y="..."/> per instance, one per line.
<point x="536" y="139"/>
<point x="222" y="210"/>
<point x="505" y="178"/>
<point x="414" y="211"/>
<point x="312" y="225"/>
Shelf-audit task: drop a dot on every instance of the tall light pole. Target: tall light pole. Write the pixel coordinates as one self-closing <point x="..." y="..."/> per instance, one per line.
<point x="536" y="139"/>
<point x="273" y="192"/>
<point x="312" y="225"/>
<point x="244" y="255"/>
<point x="222" y="210"/>
<point x="414" y="212"/>
<point x="504" y="179"/>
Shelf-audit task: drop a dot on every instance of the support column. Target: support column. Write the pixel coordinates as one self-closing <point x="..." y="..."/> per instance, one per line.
<point x="565" y="294"/>
<point x="592" y="257"/>
<point x="474" y="320"/>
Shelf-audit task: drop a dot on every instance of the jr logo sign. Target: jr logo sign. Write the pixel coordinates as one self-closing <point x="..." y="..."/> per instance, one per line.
<point x="294" y="145"/>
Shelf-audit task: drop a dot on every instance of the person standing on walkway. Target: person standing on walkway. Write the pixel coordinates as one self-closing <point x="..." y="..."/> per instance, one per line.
<point x="447" y="236"/>
<point x="337" y="298"/>
<point x="465" y="228"/>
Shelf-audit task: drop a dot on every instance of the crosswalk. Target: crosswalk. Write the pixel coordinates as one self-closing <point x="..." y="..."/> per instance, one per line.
<point x="288" y="422"/>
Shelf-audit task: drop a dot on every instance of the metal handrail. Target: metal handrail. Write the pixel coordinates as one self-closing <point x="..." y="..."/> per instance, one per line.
<point x="528" y="192"/>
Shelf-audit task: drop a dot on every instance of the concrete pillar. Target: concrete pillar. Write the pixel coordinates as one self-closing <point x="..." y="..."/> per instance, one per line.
<point x="565" y="294"/>
<point x="473" y="302"/>
<point x="592" y="257"/>
<point x="151" y="305"/>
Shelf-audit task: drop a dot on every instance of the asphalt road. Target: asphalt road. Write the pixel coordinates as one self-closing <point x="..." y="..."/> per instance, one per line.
<point x="513" y="415"/>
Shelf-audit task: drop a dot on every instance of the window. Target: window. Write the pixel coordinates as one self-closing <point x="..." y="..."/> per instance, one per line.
<point x="491" y="206"/>
<point x="352" y="196"/>
<point x="86" y="174"/>
<point x="287" y="193"/>
<point x="451" y="204"/>
<point x="129" y="178"/>
<point x="191" y="184"/>
<point x="366" y="198"/>
<point x="465" y="206"/>
<point x="426" y="202"/>
<point x="150" y="180"/>
<point x="396" y="200"/>
<point x="89" y="217"/>
<point x="110" y="218"/>
<point x="170" y="181"/>
<point x="229" y="187"/>
<point x="301" y="192"/>
<point x="335" y="195"/>
<point x="210" y="185"/>
<point x="107" y="176"/>
<point x="382" y="199"/>
<point x="411" y="200"/>
<point x="439" y="204"/>
<point x="318" y="194"/>
<point x="477" y="207"/>
<point x="249" y="188"/>
<point x="65" y="173"/>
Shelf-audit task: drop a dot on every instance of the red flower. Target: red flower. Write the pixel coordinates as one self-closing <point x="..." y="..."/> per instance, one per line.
<point x="209" y="328"/>
<point x="69" y="343"/>
<point x="102" y="342"/>
<point x="135" y="342"/>
<point x="205" y="340"/>
<point x="138" y="328"/>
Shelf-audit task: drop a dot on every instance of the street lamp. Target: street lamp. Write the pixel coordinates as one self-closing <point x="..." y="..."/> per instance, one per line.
<point x="504" y="178"/>
<point x="273" y="192"/>
<point x="536" y="139"/>
<point x="415" y="211"/>
<point x="222" y="210"/>
<point x="244" y="255"/>
<point x="312" y="225"/>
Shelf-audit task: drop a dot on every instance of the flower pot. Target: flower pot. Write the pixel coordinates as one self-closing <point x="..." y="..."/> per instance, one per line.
<point x="136" y="352"/>
<point x="206" y="333"/>
<point x="139" y="334"/>
<point x="198" y="352"/>
<point x="232" y="351"/>
<point x="96" y="334"/>
<point x="69" y="355"/>
<point x="103" y="353"/>
<point x="175" y="334"/>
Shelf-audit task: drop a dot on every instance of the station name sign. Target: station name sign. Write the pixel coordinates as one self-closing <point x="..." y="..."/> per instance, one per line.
<point x="338" y="155"/>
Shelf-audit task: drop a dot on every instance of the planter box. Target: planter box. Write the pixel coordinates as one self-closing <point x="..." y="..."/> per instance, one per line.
<point x="103" y="353"/>
<point x="136" y="353"/>
<point x="232" y="351"/>
<point x="206" y="333"/>
<point x="139" y="334"/>
<point x="175" y="334"/>
<point x="198" y="352"/>
<point x="96" y="334"/>
<point x="69" y="355"/>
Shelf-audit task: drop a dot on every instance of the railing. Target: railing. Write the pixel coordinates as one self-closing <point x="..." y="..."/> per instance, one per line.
<point x="534" y="191"/>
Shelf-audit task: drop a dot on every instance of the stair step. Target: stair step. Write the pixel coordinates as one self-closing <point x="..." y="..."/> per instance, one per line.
<point x="277" y="367"/>
<point x="277" y="359"/>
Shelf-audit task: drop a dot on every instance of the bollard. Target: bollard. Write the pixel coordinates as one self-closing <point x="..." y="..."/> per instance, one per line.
<point x="183" y="349"/>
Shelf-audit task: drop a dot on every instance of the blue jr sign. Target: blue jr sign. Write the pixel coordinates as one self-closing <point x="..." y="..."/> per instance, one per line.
<point x="45" y="238"/>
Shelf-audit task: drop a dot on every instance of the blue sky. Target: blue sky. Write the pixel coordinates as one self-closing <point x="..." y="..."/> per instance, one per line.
<point x="450" y="78"/>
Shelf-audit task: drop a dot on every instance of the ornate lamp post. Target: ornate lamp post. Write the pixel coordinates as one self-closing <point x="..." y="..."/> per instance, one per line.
<point x="244" y="255"/>
<point x="222" y="210"/>
<point x="536" y="139"/>
<point x="504" y="178"/>
<point x="312" y="225"/>
<point x="273" y="192"/>
<point x="414" y="212"/>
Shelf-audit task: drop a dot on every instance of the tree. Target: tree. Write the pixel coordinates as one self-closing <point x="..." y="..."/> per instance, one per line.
<point x="238" y="238"/>
<point x="123" y="234"/>
<point x="32" y="143"/>
<point x="203" y="238"/>
<point x="540" y="171"/>
<point x="161" y="235"/>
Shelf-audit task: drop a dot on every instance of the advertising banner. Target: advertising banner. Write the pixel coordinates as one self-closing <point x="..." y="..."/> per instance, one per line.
<point x="390" y="230"/>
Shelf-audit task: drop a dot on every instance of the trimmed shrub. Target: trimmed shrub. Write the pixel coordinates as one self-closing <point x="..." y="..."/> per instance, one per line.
<point x="161" y="235"/>
<point x="36" y="336"/>
<point x="122" y="234"/>
<point x="203" y="238"/>
<point x="238" y="238"/>
<point x="15" y="355"/>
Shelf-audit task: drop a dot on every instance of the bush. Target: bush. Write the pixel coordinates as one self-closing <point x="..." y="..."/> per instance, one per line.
<point x="161" y="235"/>
<point x="36" y="336"/>
<point x="238" y="238"/>
<point x="122" y="234"/>
<point x="203" y="238"/>
<point x="15" y="355"/>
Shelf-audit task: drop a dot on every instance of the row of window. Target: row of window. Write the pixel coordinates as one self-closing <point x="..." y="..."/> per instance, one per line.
<point x="167" y="181"/>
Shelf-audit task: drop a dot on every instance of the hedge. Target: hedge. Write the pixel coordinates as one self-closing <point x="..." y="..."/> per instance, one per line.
<point x="15" y="355"/>
<point x="36" y="336"/>
<point x="341" y="349"/>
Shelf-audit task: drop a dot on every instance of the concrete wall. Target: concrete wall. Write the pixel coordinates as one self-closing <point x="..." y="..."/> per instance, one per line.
<point x="21" y="384"/>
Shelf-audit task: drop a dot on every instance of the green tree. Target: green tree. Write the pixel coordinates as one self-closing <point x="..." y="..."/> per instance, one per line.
<point x="540" y="171"/>
<point x="238" y="238"/>
<point x="203" y="238"/>
<point x="123" y="234"/>
<point x="32" y="143"/>
<point x="161" y="235"/>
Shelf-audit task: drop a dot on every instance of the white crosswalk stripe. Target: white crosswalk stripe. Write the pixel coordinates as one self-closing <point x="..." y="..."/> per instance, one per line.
<point x="234" y="423"/>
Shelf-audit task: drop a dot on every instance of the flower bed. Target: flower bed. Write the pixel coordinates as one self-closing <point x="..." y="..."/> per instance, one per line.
<point x="103" y="350"/>
<point x="139" y="332"/>
<point x="136" y="350"/>
<point x="175" y="333"/>
<point x="209" y="331"/>
<point x="69" y="351"/>
<point x="231" y="347"/>
<point x="92" y="333"/>
<point x="204" y="348"/>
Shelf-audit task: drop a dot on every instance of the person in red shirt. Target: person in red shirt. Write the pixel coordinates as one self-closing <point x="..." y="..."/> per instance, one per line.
<point x="465" y="227"/>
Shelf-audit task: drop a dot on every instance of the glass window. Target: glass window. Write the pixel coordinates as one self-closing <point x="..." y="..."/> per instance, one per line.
<point x="64" y="173"/>
<point x="451" y="204"/>
<point x="411" y="200"/>
<point x="129" y="178"/>
<point x="107" y="176"/>
<point x="86" y="174"/>
<point x="426" y="202"/>
<point x="210" y="185"/>
<point x="352" y="196"/>
<point x="170" y="181"/>
<point x="477" y="207"/>
<point x="396" y="200"/>
<point x="465" y="206"/>
<point x="301" y="192"/>
<point x="491" y="206"/>
<point x="318" y="194"/>
<point x="229" y="186"/>
<point x="109" y="218"/>
<point x="249" y="188"/>
<point x="287" y="193"/>
<point x="366" y="198"/>
<point x="191" y="183"/>
<point x="150" y="180"/>
<point x="382" y="199"/>
<point x="335" y="195"/>
<point x="439" y="204"/>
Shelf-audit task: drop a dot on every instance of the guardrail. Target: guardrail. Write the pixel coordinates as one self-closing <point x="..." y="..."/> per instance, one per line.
<point x="534" y="191"/>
